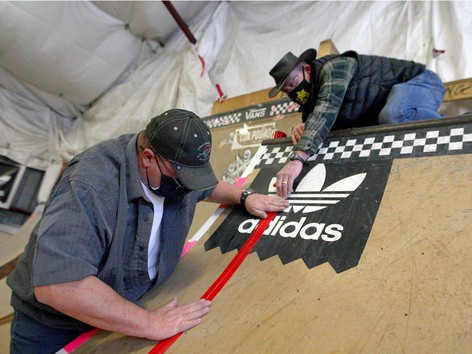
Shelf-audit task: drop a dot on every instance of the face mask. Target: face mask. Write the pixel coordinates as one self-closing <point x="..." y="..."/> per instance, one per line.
<point x="301" y="93"/>
<point x="169" y="187"/>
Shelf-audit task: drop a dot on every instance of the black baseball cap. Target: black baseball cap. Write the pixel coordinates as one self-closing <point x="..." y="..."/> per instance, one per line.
<point x="285" y="65"/>
<point x="181" y="137"/>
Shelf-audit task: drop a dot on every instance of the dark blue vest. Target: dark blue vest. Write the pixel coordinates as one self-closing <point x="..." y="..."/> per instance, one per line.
<point x="368" y="90"/>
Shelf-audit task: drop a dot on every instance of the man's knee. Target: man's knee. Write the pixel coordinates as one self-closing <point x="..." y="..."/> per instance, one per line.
<point x="393" y="116"/>
<point x="384" y="118"/>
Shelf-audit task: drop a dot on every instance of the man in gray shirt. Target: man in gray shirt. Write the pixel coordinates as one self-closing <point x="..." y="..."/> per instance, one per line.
<point x="114" y="226"/>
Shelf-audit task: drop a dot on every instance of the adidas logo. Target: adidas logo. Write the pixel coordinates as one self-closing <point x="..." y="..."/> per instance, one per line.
<point x="310" y="195"/>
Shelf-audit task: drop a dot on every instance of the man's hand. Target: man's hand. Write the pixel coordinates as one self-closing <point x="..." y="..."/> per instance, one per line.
<point x="256" y="204"/>
<point x="260" y="204"/>
<point x="297" y="132"/>
<point x="171" y="319"/>
<point x="285" y="178"/>
<point x="91" y="301"/>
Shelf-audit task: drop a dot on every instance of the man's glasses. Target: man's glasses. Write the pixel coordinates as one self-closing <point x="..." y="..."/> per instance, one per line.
<point x="169" y="172"/>
<point x="166" y="168"/>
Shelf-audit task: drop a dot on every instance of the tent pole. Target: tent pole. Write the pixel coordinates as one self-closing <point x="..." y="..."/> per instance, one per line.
<point x="183" y="26"/>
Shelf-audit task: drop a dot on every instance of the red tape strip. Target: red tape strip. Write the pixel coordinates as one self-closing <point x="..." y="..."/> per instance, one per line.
<point x="219" y="283"/>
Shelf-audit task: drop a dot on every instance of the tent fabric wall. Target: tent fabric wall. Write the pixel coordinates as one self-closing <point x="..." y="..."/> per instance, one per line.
<point x="91" y="71"/>
<point x="262" y="33"/>
<point x="172" y="78"/>
<point x="56" y="30"/>
<point x="151" y="22"/>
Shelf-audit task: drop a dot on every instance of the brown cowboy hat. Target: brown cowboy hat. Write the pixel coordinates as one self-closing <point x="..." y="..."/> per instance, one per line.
<point x="285" y="65"/>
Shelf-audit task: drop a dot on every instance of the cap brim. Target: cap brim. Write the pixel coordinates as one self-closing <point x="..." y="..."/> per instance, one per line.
<point x="307" y="56"/>
<point x="196" y="178"/>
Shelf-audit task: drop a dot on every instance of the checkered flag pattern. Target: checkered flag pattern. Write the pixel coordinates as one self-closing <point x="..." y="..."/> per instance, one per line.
<point x="422" y="143"/>
<point x="277" y="155"/>
<point x="224" y="120"/>
<point x="282" y="108"/>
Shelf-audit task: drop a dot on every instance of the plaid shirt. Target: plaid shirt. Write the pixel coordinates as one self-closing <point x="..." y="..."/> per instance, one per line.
<point x="335" y="77"/>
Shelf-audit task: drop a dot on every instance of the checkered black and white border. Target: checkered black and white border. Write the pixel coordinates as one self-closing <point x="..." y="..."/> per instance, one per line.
<point x="264" y="110"/>
<point x="224" y="120"/>
<point x="283" y="108"/>
<point x="423" y="143"/>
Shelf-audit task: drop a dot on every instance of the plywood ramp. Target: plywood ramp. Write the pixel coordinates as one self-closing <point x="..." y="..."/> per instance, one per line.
<point x="12" y="247"/>
<point x="458" y="90"/>
<point x="411" y="291"/>
<point x="5" y="335"/>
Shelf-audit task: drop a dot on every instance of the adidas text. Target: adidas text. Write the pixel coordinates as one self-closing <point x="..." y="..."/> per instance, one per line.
<point x="309" y="231"/>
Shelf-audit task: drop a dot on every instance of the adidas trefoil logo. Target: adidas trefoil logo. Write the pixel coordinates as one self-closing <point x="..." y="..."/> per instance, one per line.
<point x="310" y="195"/>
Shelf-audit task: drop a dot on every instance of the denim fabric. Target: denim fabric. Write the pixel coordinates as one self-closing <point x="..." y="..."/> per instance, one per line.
<point x="31" y="337"/>
<point x="417" y="99"/>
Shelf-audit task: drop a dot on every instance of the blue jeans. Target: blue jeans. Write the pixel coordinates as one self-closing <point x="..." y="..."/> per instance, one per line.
<point x="417" y="99"/>
<point x="31" y="337"/>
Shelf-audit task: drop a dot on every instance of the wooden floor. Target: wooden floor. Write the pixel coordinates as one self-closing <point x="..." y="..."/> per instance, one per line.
<point x="5" y="308"/>
<point x="4" y="303"/>
<point x="11" y="246"/>
<point x="5" y="335"/>
<point x="411" y="291"/>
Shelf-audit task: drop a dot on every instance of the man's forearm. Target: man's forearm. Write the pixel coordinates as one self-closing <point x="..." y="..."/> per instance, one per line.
<point x="225" y="192"/>
<point x="95" y="303"/>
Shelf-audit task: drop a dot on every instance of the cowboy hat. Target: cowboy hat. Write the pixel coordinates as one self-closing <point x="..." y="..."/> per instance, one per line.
<point x="285" y="65"/>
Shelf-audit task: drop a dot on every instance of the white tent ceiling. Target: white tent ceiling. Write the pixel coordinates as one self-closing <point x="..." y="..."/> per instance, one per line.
<point x="78" y="50"/>
<point x="73" y="73"/>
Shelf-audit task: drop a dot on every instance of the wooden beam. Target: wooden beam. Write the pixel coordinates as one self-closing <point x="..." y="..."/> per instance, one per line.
<point x="327" y="47"/>
<point x="458" y="90"/>
<point x="249" y="99"/>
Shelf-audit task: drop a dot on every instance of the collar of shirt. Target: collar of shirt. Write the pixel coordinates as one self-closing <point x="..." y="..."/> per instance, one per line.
<point x="133" y="181"/>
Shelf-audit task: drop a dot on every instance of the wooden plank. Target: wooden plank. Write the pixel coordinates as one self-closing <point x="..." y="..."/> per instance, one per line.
<point x="458" y="90"/>
<point x="13" y="245"/>
<point x="327" y="47"/>
<point x="249" y="99"/>
<point x="5" y="308"/>
<point x="5" y="335"/>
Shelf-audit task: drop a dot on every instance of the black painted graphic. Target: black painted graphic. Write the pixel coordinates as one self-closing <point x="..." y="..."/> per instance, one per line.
<point x="330" y="217"/>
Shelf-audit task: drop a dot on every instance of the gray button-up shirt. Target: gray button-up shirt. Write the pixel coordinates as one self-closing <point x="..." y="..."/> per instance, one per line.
<point x="98" y="222"/>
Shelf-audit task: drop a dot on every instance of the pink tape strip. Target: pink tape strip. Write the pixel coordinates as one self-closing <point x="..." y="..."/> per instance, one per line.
<point x="240" y="182"/>
<point x="187" y="247"/>
<point x="77" y="342"/>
